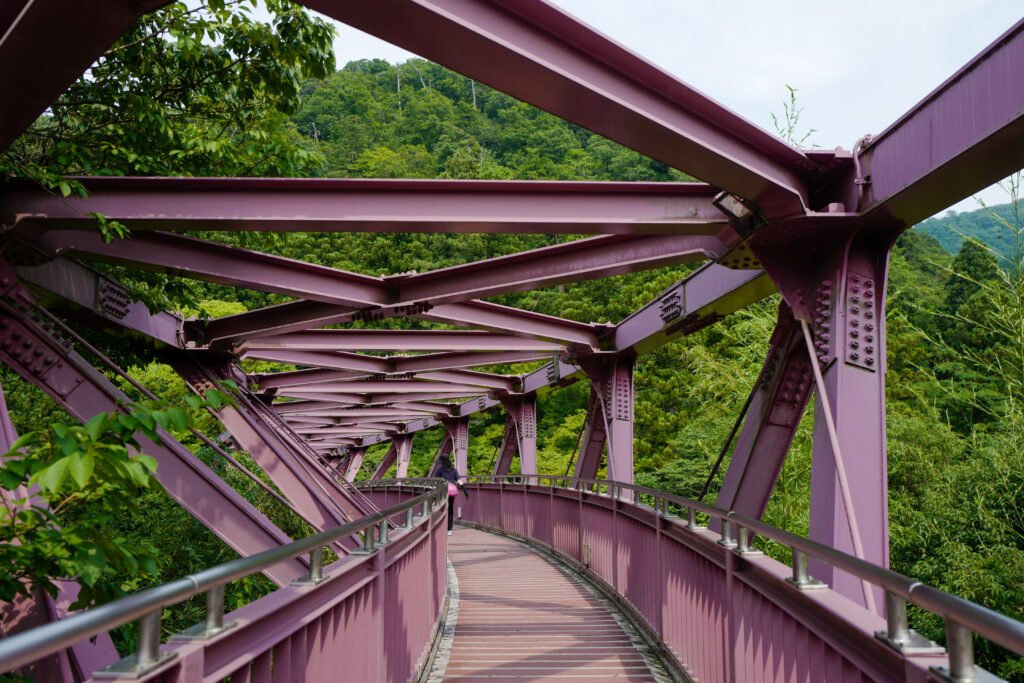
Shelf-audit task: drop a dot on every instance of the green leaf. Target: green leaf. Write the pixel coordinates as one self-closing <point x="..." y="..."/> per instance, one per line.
<point x="194" y="401"/>
<point x="9" y="480"/>
<point x="96" y="426"/>
<point x="51" y="478"/>
<point x="81" y="467"/>
<point x="147" y="461"/>
<point x="29" y="439"/>
<point x="90" y="563"/>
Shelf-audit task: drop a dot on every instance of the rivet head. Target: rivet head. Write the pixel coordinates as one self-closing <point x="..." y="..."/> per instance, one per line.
<point x="854" y="344"/>
<point x="855" y="323"/>
<point x="854" y="355"/>
<point x="854" y="333"/>
<point x="870" y="338"/>
<point x="870" y="361"/>
<point x="868" y="314"/>
<point x="868" y="327"/>
<point x="870" y="349"/>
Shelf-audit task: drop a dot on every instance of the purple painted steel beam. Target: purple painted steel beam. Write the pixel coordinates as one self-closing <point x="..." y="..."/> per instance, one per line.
<point x="355" y="462"/>
<point x="387" y="461"/>
<point x="324" y="397"/>
<point x="496" y="318"/>
<point x="108" y="299"/>
<point x="472" y="378"/>
<point x="780" y="396"/>
<point x="320" y="359"/>
<point x="404" y="452"/>
<point x="304" y="482"/>
<point x="703" y="297"/>
<point x="448" y="361"/>
<point x="356" y="365"/>
<point x="292" y="316"/>
<point x="84" y="392"/>
<point x="839" y="292"/>
<point x="593" y="440"/>
<point x="374" y="205"/>
<point x="398" y="386"/>
<point x="575" y="261"/>
<point x="611" y="377"/>
<point x="457" y="431"/>
<point x="506" y="449"/>
<point x="536" y="52"/>
<point x="520" y="434"/>
<point x="394" y="340"/>
<point x="213" y="262"/>
<point x="59" y="51"/>
<point x="962" y="137"/>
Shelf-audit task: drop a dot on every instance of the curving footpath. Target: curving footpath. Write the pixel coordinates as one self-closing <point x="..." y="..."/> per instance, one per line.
<point x="522" y="617"/>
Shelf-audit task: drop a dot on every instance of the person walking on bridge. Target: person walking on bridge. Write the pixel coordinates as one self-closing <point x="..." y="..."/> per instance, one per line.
<point x="446" y="470"/>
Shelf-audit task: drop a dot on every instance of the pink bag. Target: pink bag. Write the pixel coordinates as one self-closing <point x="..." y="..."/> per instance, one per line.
<point x="453" y="490"/>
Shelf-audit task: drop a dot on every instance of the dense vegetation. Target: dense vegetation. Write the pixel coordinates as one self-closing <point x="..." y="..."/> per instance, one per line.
<point x="956" y="325"/>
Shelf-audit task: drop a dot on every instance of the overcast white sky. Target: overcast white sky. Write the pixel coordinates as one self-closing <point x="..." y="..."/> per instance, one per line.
<point x="857" y="65"/>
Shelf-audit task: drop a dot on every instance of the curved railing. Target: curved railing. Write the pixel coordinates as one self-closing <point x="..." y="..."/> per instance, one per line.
<point x="386" y="596"/>
<point x="716" y="604"/>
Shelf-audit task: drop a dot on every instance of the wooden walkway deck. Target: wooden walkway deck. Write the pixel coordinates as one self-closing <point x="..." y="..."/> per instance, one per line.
<point x="522" y="617"/>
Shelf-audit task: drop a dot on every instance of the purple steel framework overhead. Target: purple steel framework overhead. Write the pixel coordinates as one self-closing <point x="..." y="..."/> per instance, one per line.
<point x="815" y="225"/>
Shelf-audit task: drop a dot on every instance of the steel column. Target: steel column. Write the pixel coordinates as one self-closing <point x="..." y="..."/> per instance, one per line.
<point x="387" y="461"/>
<point x="840" y="293"/>
<point x="355" y="462"/>
<point x="780" y="397"/>
<point x="403" y="447"/>
<point x="595" y="436"/>
<point x="611" y="377"/>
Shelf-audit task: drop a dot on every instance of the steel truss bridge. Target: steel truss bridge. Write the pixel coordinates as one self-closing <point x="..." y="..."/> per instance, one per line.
<point x="815" y="226"/>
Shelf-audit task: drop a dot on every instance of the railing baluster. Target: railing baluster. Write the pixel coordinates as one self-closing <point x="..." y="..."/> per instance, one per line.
<point x="215" y="609"/>
<point x="316" y="565"/>
<point x="960" y="644"/>
<point x="727" y="539"/>
<point x="148" y="651"/>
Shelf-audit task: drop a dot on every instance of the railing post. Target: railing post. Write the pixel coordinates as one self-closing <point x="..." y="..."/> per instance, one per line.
<point x="960" y="644"/>
<point x="215" y="608"/>
<point x="896" y="619"/>
<point x="408" y="518"/>
<point x="148" y="652"/>
<point x="316" y="565"/>
<point x="691" y="516"/>
<point x="382" y="535"/>
<point x="727" y="539"/>
<point x="801" y="579"/>
<point x="743" y="546"/>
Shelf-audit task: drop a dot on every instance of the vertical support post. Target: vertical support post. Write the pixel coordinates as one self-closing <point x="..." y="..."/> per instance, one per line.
<point x="459" y="434"/>
<point x="520" y="434"/>
<point x="355" y="462"/>
<point x="592" y="444"/>
<point x="778" y="402"/>
<point x="840" y="293"/>
<point x="528" y="434"/>
<point x="611" y="377"/>
<point x="853" y="309"/>
<point x="386" y="462"/>
<point x="403" y="451"/>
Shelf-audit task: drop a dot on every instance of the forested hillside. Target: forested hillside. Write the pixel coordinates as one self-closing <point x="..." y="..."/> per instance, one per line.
<point x="990" y="225"/>
<point x="956" y="325"/>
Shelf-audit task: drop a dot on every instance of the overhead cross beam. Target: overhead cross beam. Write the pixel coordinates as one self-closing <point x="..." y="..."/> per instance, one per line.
<point x="374" y="205"/>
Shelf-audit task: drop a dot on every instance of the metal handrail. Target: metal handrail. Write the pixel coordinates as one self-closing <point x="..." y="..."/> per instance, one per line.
<point x="29" y="646"/>
<point x="960" y="614"/>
